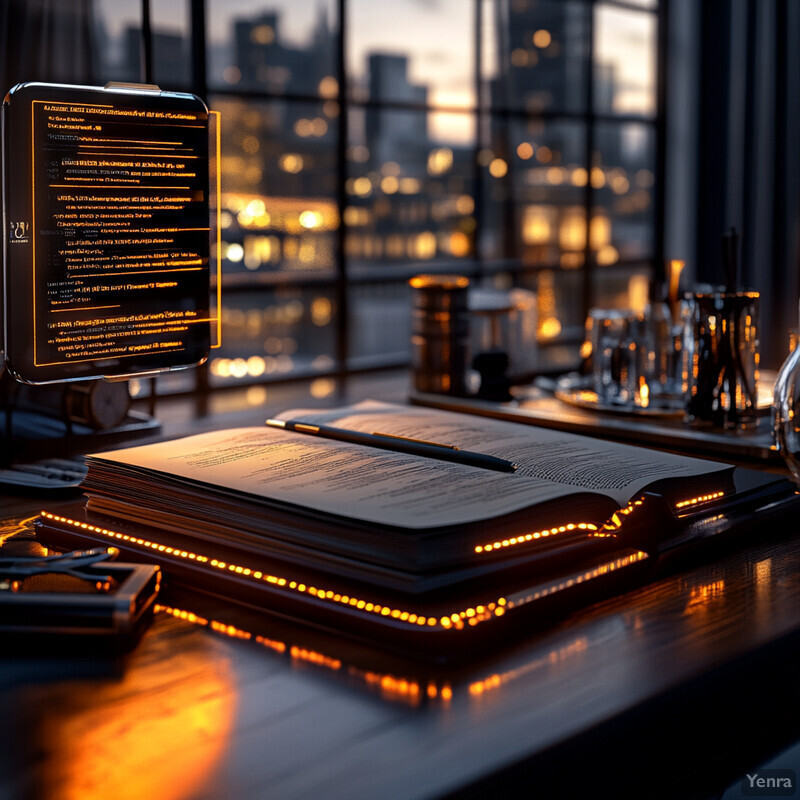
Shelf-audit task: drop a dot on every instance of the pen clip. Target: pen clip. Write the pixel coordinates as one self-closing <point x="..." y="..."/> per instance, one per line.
<point x="300" y="427"/>
<point x="416" y="441"/>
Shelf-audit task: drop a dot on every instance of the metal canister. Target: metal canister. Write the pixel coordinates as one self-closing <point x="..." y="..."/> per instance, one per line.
<point x="97" y="404"/>
<point x="440" y="333"/>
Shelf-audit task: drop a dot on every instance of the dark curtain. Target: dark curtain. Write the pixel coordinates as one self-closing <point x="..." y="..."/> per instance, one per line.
<point x="47" y="40"/>
<point x="749" y="161"/>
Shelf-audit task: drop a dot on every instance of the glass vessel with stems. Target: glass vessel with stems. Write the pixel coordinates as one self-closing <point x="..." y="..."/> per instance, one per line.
<point x="786" y="412"/>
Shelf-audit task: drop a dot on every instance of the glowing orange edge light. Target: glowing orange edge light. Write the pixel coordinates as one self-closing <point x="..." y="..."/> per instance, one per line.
<point x="529" y="537"/>
<point x="701" y="499"/>
<point x="608" y="529"/>
<point x="456" y="620"/>
<point x="218" y="147"/>
<point x="613" y="524"/>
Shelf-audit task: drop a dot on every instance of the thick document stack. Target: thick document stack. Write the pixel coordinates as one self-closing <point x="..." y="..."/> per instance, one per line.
<point x="494" y="514"/>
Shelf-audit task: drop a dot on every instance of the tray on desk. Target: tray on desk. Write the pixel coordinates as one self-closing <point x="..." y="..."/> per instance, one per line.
<point x="669" y="433"/>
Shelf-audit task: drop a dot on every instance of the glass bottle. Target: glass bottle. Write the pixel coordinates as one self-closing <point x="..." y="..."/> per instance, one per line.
<point x="786" y="412"/>
<point x="656" y="344"/>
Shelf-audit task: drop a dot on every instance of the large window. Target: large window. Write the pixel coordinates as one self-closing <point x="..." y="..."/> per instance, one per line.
<point x="515" y="141"/>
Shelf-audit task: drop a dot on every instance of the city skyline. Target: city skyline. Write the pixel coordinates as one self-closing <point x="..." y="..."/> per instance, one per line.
<point x="423" y="187"/>
<point x="623" y="42"/>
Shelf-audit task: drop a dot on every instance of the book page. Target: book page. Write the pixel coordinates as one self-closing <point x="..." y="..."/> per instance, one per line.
<point x="617" y="470"/>
<point x="341" y="478"/>
<point x="392" y="488"/>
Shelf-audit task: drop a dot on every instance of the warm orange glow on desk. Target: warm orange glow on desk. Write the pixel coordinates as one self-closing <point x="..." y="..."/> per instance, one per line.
<point x="555" y="656"/>
<point x="702" y="596"/>
<point x="391" y="687"/>
<point x="158" y="732"/>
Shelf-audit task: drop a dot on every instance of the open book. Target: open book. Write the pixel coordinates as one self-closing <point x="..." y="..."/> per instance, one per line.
<point x="386" y="517"/>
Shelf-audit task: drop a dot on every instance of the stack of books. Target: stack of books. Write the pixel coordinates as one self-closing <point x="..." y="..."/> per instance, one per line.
<point x="406" y="523"/>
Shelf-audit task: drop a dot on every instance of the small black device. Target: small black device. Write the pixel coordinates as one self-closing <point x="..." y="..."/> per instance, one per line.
<point x="82" y="593"/>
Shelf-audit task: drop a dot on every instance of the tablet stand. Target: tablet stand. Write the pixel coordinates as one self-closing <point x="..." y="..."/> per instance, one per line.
<point x="63" y="420"/>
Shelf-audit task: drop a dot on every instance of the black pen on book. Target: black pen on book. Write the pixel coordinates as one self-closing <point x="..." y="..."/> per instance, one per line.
<point x="399" y="444"/>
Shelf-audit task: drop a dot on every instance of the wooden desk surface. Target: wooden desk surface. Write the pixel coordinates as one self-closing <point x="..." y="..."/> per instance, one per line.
<point x="673" y="689"/>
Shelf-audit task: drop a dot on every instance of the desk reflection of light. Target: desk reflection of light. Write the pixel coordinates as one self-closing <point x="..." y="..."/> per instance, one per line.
<point x="555" y="656"/>
<point x="415" y="691"/>
<point x="12" y="527"/>
<point x="160" y="731"/>
<point x="394" y="688"/>
<point x="762" y="578"/>
<point x="703" y="596"/>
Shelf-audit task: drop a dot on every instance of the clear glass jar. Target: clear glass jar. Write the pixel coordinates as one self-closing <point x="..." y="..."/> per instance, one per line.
<point x="786" y="412"/>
